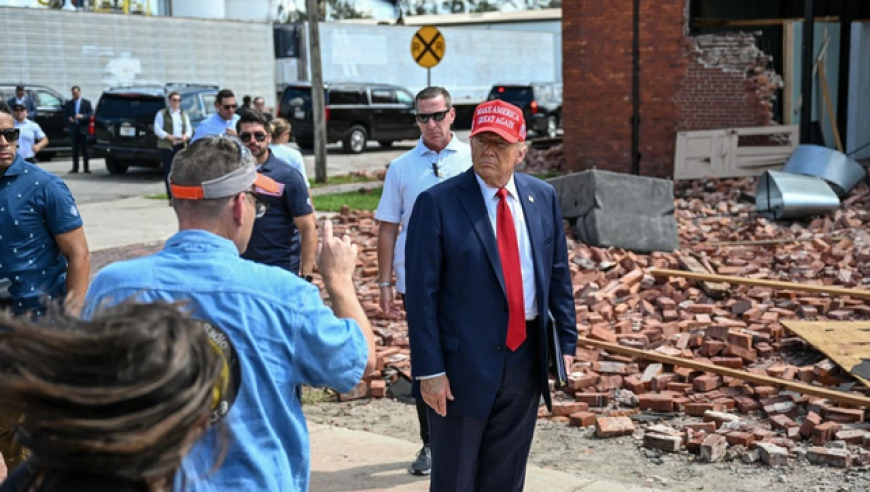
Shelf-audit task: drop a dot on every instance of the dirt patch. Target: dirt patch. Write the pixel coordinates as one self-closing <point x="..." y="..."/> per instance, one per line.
<point x="577" y="451"/>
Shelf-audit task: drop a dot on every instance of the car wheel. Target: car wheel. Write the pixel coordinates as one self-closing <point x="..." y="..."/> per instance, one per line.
<point x="385" y="143"/>
<point x="115" y="166"/>
<point x="552" y="127"/>
<point x="356" y="139"/>
<point x="45" y="156"/>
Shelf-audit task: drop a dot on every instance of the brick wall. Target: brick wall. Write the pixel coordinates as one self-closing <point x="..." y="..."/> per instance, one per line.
<point x="686" y="83"/>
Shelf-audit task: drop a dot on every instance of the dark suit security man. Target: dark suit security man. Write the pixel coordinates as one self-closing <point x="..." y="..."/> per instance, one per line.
<point x="487" y="262"/>
<point x="77" y="112"/>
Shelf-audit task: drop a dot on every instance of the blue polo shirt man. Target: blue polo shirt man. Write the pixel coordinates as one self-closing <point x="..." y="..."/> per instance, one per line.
<point x="43" y="250"/>
<point x="281" y="331"/>
<point x="286" y="235"/>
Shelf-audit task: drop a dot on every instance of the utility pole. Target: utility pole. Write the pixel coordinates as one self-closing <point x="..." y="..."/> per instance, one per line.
<point x="808" y="59"/>
<point x="318" y="105"/>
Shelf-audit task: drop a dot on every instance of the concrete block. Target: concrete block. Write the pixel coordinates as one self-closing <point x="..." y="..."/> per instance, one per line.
<point x="621" y="210"/>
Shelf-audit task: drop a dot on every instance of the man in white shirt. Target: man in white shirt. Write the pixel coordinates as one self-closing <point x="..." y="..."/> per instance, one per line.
<point x="31" y="138"/>
<point x="439" y="155"/>
<point x="173" y="131"/>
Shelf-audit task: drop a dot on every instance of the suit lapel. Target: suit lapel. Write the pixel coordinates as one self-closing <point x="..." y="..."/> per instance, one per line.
<point x="531" y="204"/>
<point x="472" y="202"/>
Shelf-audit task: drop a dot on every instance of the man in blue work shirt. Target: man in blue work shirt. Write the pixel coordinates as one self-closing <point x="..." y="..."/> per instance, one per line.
<point x="224" y="121"/>
<point x="282" y="333"/>
<point x="286" y="236"/>
<point x="43" y="249"/>
<point x="31" y="138"/>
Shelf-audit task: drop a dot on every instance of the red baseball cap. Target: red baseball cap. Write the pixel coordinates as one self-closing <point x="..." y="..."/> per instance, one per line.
<point x="501" y="118"/>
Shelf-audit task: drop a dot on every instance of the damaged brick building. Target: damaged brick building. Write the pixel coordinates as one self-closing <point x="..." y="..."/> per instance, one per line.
<point x="693" y="73"/>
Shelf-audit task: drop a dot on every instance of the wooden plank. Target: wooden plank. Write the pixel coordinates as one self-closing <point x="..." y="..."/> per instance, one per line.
<point x="839" y="396"/>
<point x="791" y="130"/>
<point x="845" y="342"/>
<point x="713" y="289"/>
<point x="762" y="242"/>
<point x="773" y="284"/>
<point x="788" y="71"/>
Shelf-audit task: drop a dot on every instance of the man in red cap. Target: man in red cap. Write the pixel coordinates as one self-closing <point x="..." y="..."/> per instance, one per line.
<point x="489" y="273"/>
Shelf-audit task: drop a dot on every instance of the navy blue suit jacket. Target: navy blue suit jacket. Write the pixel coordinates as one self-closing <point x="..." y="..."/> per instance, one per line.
<point x="69" y="111"/>
<point x="29" y="103"/>
<point x="455" y="299"/>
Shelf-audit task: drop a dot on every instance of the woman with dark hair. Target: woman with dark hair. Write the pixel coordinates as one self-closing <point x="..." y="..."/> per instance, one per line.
<point x="111" y="404"/>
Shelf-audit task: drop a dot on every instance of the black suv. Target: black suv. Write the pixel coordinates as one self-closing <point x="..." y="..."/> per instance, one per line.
<point x="541" y="104"/>
<point x="122" y="127"/>
<point x="49" y="115"/>
<point x="355" y="114"/>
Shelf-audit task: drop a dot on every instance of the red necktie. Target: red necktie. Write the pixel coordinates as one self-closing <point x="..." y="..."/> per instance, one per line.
<point x="509" y="251"/>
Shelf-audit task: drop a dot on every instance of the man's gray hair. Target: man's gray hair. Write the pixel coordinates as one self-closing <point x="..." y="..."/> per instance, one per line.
<point x="432" y="92"/>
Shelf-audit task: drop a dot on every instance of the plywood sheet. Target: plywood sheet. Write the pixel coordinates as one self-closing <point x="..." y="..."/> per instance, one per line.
<point x="847" y="343"/>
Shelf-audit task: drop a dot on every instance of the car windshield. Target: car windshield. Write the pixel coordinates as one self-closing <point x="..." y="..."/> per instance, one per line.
<point x="299" y="97"/>
<point x="514" y="95"/>
<point x="130" y="107"/>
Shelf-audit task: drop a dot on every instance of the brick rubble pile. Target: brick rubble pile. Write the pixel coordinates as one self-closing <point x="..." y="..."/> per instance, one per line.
<point x="711" y="416"/>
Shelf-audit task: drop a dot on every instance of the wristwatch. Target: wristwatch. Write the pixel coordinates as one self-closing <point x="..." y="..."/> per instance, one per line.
<point x="308" y="278"/>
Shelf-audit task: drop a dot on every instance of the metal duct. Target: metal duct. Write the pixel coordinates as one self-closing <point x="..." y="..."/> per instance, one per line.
<point x="841" y="172"/>
<point x="790" y="196"/>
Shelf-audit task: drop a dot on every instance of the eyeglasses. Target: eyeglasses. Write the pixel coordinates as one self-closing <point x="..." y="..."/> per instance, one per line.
<point x="260" y="205"/>
<point x="175" y="99"/>
<point x="437" y="116"/>
<point x="11" y="135"/>
<point x="246" y="137"/>
<point x="229" y="106"/>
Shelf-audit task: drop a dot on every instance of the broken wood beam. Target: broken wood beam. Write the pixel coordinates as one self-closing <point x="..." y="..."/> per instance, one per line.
<point x="763" y="242"/>
<point x="713" y="289"/>
<point x="761" y="379"/>
<point x="773" y="284"/>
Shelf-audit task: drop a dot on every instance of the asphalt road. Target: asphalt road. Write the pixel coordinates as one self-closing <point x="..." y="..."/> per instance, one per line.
<point x="101" y="186"/>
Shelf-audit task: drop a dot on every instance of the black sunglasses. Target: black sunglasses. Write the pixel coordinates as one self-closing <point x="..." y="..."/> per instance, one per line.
<point x="260" y="205"/>
<point x="437" y="116"/>
<point x="11" y="135"/>
<point x="246" y="137"/>
<point x="230" y="106"/>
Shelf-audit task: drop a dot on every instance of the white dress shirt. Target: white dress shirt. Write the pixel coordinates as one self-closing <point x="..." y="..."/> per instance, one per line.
<point x="177" y="124"/>
<point x="408" y="176"/>
<point x="491" y="200"/>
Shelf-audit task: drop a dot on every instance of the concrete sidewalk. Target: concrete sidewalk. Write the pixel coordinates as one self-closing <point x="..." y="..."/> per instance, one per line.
<point x="344" y="460"/>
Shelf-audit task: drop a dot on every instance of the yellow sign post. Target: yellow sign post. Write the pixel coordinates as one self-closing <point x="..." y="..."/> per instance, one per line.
<point x="427" y="49"/>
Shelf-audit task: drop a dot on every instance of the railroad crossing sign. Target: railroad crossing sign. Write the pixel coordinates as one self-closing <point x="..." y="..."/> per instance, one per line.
<point x="427" y="46"/>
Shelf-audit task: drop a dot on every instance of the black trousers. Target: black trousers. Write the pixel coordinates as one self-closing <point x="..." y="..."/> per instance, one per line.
<point x="490" y="454"/>
<point x="168" y="155"/>
<point x="79" y="147"/>
<point x="422" y="407"/>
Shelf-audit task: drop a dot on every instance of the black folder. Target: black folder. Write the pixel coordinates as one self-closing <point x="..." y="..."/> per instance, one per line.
<point x="557" y="362"/>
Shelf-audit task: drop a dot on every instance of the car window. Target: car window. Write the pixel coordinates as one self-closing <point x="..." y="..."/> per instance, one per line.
<point x="383" y="96"/>
<point x="208" y="103"/>
<point x="131" y="108"/>
<point x="345" y="96"/>
<point x="543" y="93"/>
<point x="515" y="95"/>
<point x="405" y="98"/>
<point x="190" y="104"/>
<point x="48" y="100"/>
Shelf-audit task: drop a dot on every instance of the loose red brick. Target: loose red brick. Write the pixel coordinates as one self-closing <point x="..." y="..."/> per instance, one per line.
<point x="608" y="383"/>
<point x="711" y="348"/>
<point x="708" y="427"/>
<point x="378" y="388"/>
<point x="593" y="399"/>
<point x="810" y="422"/>
<point x="840" y="458"/>
<point x="743" y="340"/>
<point x="851" y="436"/>
<point x="579" y="382"/>
<point x="846" y="415"/>
<point x="707" y="382"/>
<point x="660" y="382"/>
<point x="782" y="422"/>
<point x="582" y="419"/>
<point x="602" y="334"/>
<point x="566" y="408"/>
<point x="825" y="432"/>
<point x="613" y="426"/>
<point x="700" y="408"/>
<point x="746" y="405"/>
<point x="744" y="439"/>
<point x="361" y="390"/>
<point x="633" y="384"/>
<point x="713" y="448"/>
<point x="679" y="387"/>
<point x="657" y="402"/>
<point x="732" y="362"/>
<point x="748" y="355"/>
<point x="717" y="332"/>
<point x="666" y="443"/>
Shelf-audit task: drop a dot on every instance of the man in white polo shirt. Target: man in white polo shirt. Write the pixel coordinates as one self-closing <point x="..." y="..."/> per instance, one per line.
<point x="439" y="155"/>
<point x="31" y="138"/>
